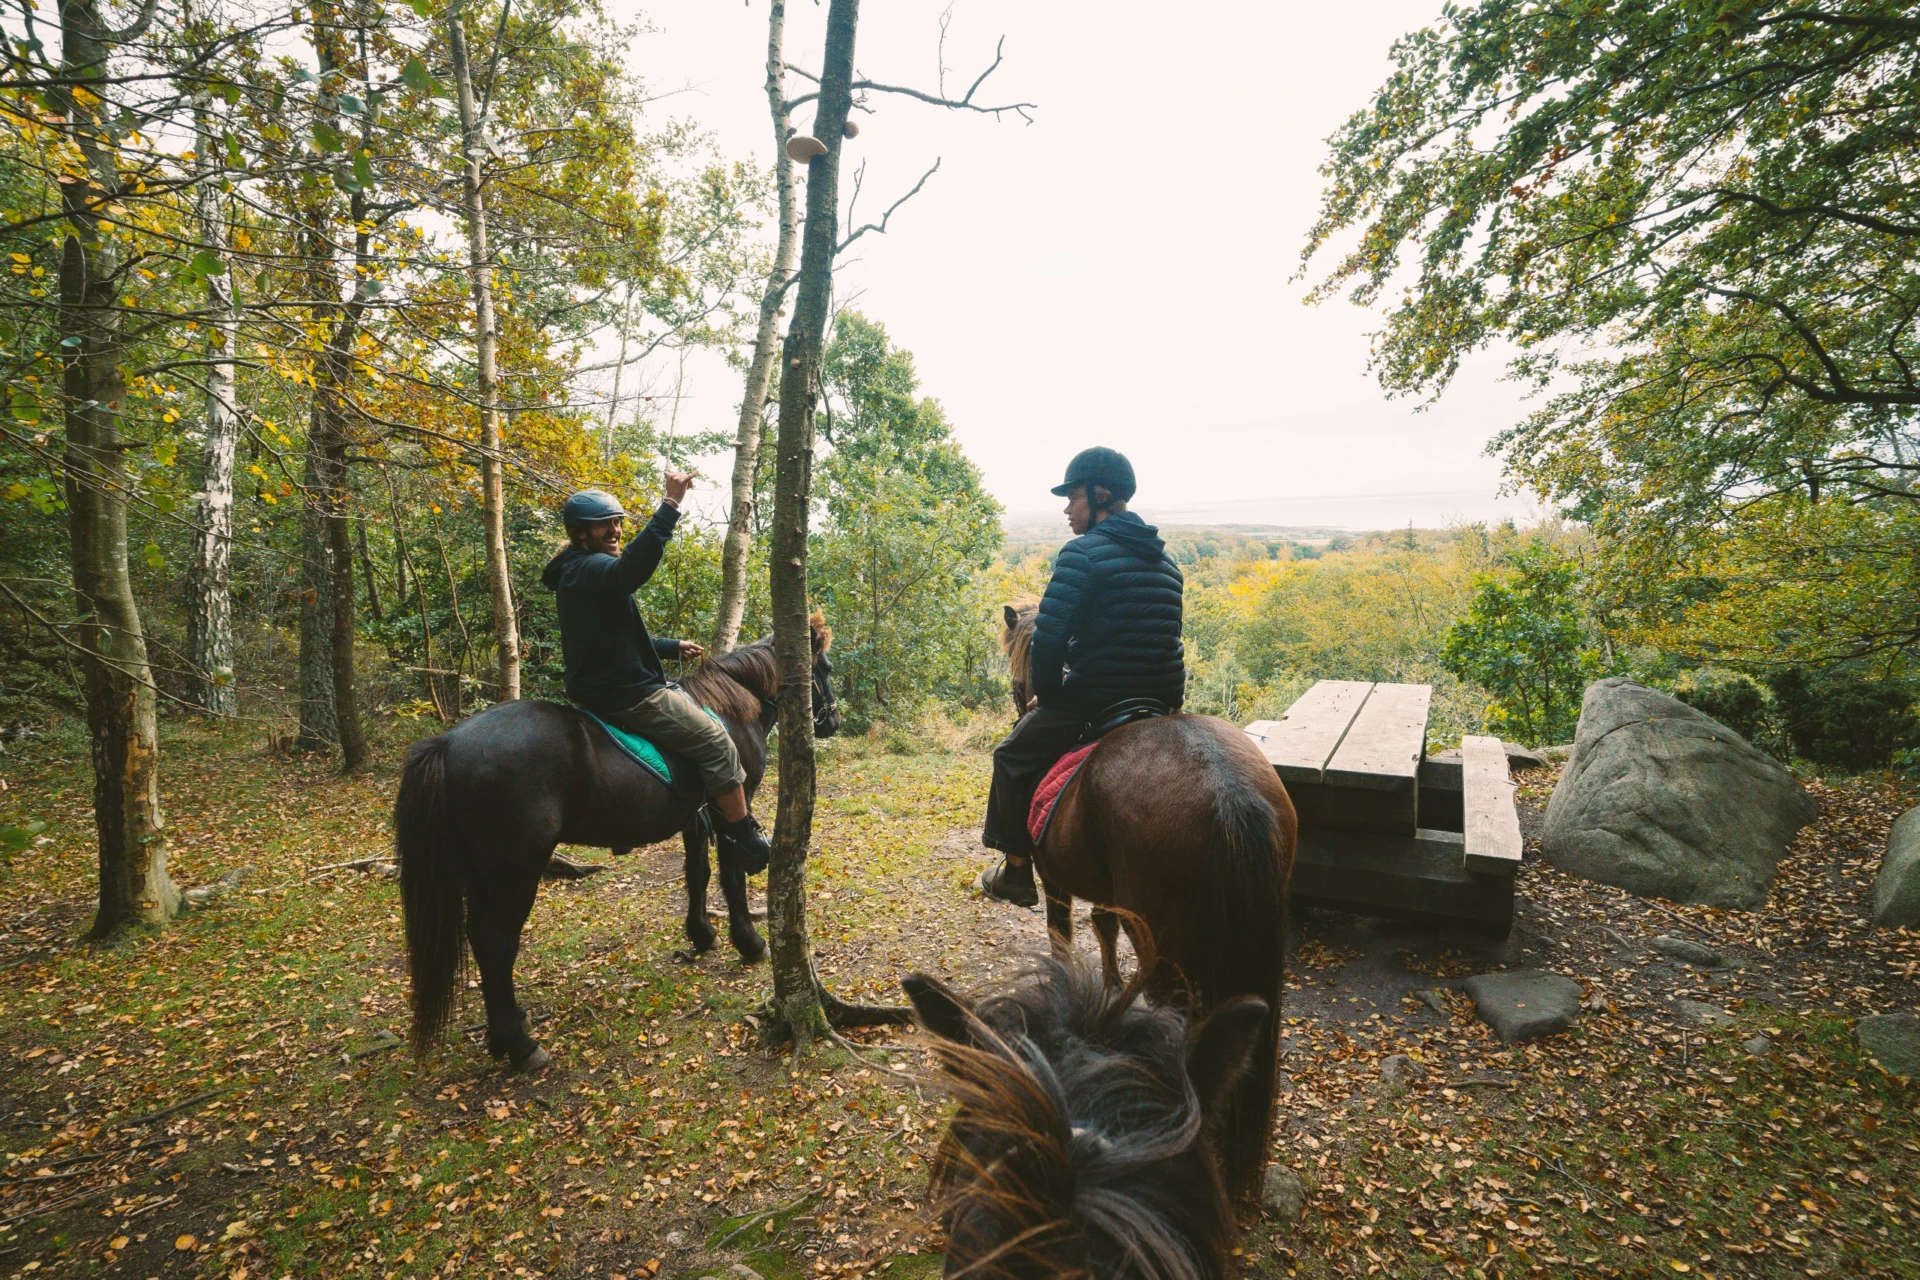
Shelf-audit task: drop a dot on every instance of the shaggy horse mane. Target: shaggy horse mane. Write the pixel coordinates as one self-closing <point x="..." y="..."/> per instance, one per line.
<point x="1016" y="641"/>
<point x="1074" y="1097"/>
<point x="736" y="683"/>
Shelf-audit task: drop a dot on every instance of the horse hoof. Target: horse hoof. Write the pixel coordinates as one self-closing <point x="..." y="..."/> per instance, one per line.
<point x="752" y="950"/>
<point x="535" y="1061"/>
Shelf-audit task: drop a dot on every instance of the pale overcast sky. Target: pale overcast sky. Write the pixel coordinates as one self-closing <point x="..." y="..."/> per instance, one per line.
<point x="1119" y="271"/>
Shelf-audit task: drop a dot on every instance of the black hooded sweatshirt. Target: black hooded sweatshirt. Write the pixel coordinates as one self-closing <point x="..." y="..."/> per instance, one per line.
<point x="1111" y="620"/>
<point x="611" y="662"/>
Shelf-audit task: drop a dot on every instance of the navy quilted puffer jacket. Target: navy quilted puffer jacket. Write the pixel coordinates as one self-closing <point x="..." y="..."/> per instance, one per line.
<point x="1109" y="625"/>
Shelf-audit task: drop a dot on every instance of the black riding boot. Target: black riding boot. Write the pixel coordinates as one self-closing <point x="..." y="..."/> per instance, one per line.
<point x="743" y="847"/>
<point x="1011" y="881"/>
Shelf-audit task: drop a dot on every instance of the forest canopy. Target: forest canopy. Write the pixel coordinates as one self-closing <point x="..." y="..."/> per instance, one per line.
<point x="1694" y="225"/>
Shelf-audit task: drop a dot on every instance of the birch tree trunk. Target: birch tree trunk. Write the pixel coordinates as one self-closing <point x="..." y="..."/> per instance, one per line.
<point x="121" y="722"/>
<point x="738" y="548"/>
<point x="210" y="612"/>
<point x="798" y="1010"/>
<point x="506" y="627"/>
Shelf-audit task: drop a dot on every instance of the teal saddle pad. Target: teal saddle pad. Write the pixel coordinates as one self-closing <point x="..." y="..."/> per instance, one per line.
<point x="643" y="751"/>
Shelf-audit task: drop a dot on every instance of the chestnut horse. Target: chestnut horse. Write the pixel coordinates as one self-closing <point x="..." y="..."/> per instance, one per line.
<point x="482" y="806"/>
<point x="1177" y="829"/>
<point x="1082" y="1142"/>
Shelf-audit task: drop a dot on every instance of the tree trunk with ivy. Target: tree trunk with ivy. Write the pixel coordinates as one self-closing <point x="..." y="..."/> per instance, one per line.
<point x="798" y="1009"/>
<point x="121" y="723"/>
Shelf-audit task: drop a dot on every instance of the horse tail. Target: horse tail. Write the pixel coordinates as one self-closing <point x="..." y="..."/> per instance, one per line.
<point x="1248" y="958"/>
<point x="431" y="889"/>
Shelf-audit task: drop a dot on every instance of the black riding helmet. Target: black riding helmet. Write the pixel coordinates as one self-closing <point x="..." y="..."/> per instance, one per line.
<point x="589" y="506"/>
<point x="1102" y="466"/>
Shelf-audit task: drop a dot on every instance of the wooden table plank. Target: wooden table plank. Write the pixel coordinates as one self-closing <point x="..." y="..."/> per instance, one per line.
<point x="1491" y="823"/>
<point x="1382" y="749"/>
<point x="1299" y="744"/>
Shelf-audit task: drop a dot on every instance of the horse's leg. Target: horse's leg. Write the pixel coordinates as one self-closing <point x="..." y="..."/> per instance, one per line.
<point x="740" y="931"/>
<point x="497" y="909"/>
<point x="1107" y="925"/>
<point x="1060" y="925"/>
<point x="699" y="871"/>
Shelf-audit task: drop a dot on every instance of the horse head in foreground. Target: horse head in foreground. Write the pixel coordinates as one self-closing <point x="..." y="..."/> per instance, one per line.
<point x="482" y="806"/>
<point x="1086" y="1140"/>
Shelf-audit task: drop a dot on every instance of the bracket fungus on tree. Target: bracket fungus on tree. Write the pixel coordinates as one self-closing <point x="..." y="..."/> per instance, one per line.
<point x="802" y="147"/>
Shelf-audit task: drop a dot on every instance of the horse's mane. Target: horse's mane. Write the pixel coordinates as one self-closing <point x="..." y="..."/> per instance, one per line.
<point x="730" y="685"/>
<point x="1017" y="641"/>
<point x="733" y="684"/>
<point x="1072" y="1101"/>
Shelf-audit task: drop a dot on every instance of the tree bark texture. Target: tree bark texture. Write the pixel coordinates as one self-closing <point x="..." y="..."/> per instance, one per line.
<point x="506" y="627"/>
<point x="797" y="1000"/>
<point x="210" y="610"/>
<point x="327" y="603"/>
<point x="738" y="547"/>
<point x="134" y="886"/>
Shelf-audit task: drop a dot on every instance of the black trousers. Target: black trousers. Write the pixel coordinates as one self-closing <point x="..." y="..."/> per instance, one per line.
<point x="1041" y="737"/>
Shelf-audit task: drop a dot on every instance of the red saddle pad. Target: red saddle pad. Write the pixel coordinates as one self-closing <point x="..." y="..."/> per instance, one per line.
<point x="1051" y="786"/>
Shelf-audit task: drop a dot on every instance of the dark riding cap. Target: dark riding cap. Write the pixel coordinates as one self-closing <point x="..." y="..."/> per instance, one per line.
<point x="590" y="505"/>
<point x="1099" y="465"/>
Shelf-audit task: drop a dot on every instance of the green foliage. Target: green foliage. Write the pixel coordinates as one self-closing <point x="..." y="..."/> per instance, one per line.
<point x="1522" y="640"/>
<point x="1843" y="719"/>
<point x="899" y="564"/>
<point x="1736" y="701"/>
<point x="1695" y="223"/>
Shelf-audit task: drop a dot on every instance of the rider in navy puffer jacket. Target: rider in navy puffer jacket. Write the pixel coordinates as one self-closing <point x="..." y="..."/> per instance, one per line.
<point x="1129" y="645"/>
<point x="1108" y="631"/>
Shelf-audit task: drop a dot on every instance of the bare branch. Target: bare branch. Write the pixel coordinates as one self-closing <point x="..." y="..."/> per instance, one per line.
<point x="966" y="103"/>
<point x="881" y="226"/>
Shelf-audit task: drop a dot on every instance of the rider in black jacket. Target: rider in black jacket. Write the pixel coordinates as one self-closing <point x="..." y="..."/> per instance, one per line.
<point x="613" y="665"/>
<point x="1108" y="630"/>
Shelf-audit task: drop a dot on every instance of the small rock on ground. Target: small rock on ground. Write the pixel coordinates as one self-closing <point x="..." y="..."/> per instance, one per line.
<point x="1283" y="1195"/>
<point x="1433" y="1000"/>
<point x="1525" y="1004"/>
<point x="1688" y="951"/>
<point x="1702" y="1013"/>
<point x="1894" y="1041"/>
<point x="1397" y="1071"/>
<point x="1758" y="1046"/>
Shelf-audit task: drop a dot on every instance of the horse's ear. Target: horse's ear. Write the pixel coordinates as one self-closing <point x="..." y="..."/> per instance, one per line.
<point x="1223" y="1049"/>
<point x="941" y="1009"/>
<point x="1011" y="614"/>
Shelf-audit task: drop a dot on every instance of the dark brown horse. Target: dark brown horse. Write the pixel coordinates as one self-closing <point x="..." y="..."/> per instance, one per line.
<point x="1177" y="828"/>
<point x="482" y="806"/>
<point x="1085" y="1140"/>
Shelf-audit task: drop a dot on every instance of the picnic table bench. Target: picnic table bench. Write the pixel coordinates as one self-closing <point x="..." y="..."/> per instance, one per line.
<point x="1385" y="830"/>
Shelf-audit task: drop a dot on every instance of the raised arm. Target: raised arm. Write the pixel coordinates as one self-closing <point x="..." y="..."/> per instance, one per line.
<point x="636" y="564"/>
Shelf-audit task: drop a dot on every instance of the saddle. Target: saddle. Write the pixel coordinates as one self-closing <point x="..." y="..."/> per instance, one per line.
<point x="669" y="769"/>
<point x="1048" y="793"/>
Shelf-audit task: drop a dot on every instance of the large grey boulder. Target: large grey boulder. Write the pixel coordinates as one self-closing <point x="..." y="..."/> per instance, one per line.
<point x="1896" y="890"/>
<point x="1667" y="802"/>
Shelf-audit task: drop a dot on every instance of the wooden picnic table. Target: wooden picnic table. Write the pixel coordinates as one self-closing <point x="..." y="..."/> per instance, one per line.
<point x="1384" y="829"/>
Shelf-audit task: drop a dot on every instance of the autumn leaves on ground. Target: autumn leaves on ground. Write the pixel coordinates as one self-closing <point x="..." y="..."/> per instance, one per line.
<point x="229" y="1097"/>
